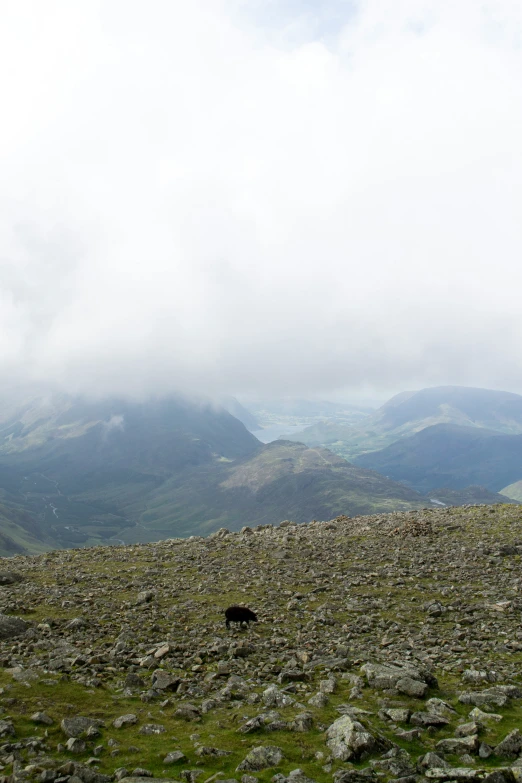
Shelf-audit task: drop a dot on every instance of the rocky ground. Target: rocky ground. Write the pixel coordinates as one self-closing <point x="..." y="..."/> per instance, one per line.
<point x="388" y="648"/>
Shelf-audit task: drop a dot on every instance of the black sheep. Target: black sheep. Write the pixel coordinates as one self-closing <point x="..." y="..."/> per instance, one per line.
<point x="240" y="614"/>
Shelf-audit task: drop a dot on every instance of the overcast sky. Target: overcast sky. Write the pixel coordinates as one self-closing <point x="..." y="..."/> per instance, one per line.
<point x="272" y="196"/>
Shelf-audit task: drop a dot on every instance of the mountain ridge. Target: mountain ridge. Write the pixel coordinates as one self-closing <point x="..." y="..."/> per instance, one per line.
<point x="450" y="456"/>
<point x="91" y="471"/>
<point x="409" y="412"/>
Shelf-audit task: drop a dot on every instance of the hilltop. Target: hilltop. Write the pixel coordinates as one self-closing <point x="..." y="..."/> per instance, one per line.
<point x="388" y="647"/>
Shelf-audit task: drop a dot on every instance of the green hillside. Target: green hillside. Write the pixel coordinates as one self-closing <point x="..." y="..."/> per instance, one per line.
<point x="473" y="495"/>
<point x="19" y="530"/>
<point x="450" y="456"/>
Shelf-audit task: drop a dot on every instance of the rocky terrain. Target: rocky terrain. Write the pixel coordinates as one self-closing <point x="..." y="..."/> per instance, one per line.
<point x="388" y="647"/>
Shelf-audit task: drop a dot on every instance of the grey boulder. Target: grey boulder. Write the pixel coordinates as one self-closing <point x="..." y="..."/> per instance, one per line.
<point x="75" y="727"/>
<point x="262" y="757"/>
<point x="12" y="626"/>
<point x="348" y="739"/>
<point x="510" y="746"/>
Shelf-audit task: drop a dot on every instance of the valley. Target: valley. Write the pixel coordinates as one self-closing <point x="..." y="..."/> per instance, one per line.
<point x="77" y="472"/>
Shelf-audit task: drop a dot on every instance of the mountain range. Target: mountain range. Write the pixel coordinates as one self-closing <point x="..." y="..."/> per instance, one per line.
<point x="88" y="471"/>
<point x="77" y="472"/>
<point x="410" y="412"/>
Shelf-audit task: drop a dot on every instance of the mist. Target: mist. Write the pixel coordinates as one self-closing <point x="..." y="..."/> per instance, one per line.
<point x="271" y="198"/>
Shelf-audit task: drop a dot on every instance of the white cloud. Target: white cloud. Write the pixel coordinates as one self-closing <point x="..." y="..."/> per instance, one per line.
<point x="116" y="422"/>
<point x="207" y="195"/>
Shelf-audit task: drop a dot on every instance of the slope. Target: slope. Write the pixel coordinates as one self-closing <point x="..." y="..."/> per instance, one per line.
<point x="473" y="495"/>
<point x="85" y="468"/>
<point x="281" y="480"/>
<point x="514" y="491"/>
<point x="446" y="455"/>
<point x="239" y="411"/>
<point x="401" y="631"/>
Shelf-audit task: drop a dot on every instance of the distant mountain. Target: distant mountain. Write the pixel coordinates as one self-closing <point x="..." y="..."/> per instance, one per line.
<point x="239" y="411"/>
<point x="301" y="408"/>
<point x="514" y="491"/>
<point x="411" y="412"/>
<point x="84" y="469"/>
<point x="86" y="472"/>
<point x="496" y="410"/>
<point x="447" y="455"/>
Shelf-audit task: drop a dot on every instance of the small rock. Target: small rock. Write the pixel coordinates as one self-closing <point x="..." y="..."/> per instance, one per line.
<point x="262" y="757"/>
<point x="467" y="729"/>
<point x="163" y="681"/>
<point x="10" y="577"/>
<point x="75" y="745"/>
<point x="440" y="707"/>
<point x="398" y="714"/>
<point x="7" y="729"/>
<point x="492" y="696"/>
<point x="452" y="773"/>
<point x="348" y="739"/>
<point x="12" y="626"/>
<point x="477" y="715"/>
<point x="174" y="756"/>
<point x="139" y="779"/>
<point x="187" y="712"/>
<point x="125" y="720"/>
<point x="426" y="719"/>
<point x="76" y="623"/>
<point x="302" y="722"/>
<point x="500" y="776"/>
<point x="411" y="687"/>
<point x="144" y="597"/>
<point x="41" y="717"/>
<point x="485" y="751"/>
<point x="319" y="700"/>
<point x="133" y="680"/>
<point x="463" y="745"/>
<point x="190" y="775"/>
<point x="273" y="697"/>
<point x="152" y="728"/>
<point x="510" y="746"/>
<point x="431" y="761"/>
<point x="328" y="686"/>
<point x="209" y="752"/>
<point x="76" y="727"/>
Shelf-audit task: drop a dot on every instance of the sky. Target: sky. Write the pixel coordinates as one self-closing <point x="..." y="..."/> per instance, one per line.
<point x="280" y="197"/>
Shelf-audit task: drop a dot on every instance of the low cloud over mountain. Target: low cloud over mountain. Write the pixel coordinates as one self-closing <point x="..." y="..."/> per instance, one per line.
<point x="236" y="197"/>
